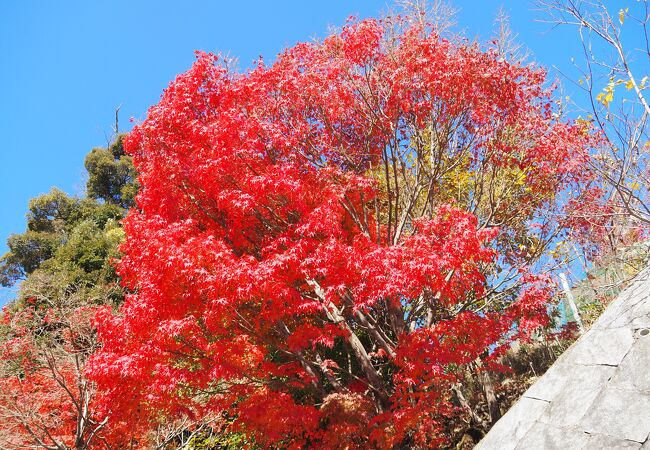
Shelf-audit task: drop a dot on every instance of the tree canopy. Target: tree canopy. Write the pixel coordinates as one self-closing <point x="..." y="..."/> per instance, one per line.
<point x="64" y="264"/>
<point x="323" y="246"/>
<point x="76" y="233"/>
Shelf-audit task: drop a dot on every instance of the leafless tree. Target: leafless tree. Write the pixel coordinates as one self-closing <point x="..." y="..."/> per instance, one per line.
<point x="614" y="68"/>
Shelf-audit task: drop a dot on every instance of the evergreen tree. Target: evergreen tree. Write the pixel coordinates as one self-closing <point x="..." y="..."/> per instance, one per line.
<point x="111" y="175"/>
<point x="71" y="241"/>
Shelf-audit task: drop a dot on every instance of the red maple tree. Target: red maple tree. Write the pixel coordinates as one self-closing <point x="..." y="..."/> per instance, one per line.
<point x="322" y="246"/>
<point x="46" y="401"/>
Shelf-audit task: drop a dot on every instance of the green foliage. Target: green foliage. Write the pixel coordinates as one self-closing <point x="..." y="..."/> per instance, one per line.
<point x="87" y="253"/>
<point x="98" y="213"/>
<point x="26" y="252"/>
<point x="111" y="176"/>
<point x="221" y="441"/>
<point x="70" y="242"/>
<point x="57" y="223"/>
<point x="50" y="212"/>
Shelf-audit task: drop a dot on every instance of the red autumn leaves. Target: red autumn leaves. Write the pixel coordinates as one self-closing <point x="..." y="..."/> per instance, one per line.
<point x="332" y="239"/>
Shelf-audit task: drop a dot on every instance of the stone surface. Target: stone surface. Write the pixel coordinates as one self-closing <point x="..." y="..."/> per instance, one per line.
<point x="597" y="394"/>
<point x="602" y="346"/>
<point x="604" y="442"/>
<point x="514" y="424"/>
<point x="634" y="370"/>
<point x="580" y="390"/>
<point x="548" y="437"/>
<point x="624" y="414"/>
<point x="564" y="378"/>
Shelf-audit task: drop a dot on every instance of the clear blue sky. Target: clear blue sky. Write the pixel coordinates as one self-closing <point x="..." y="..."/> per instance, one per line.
<point x="66" y="66"/>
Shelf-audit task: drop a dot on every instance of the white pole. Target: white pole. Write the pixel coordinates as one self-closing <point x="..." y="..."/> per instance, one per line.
<point x="572" y="303"/>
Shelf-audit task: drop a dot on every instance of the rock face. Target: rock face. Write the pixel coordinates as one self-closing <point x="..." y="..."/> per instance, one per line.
<point x="597" y="394"/>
